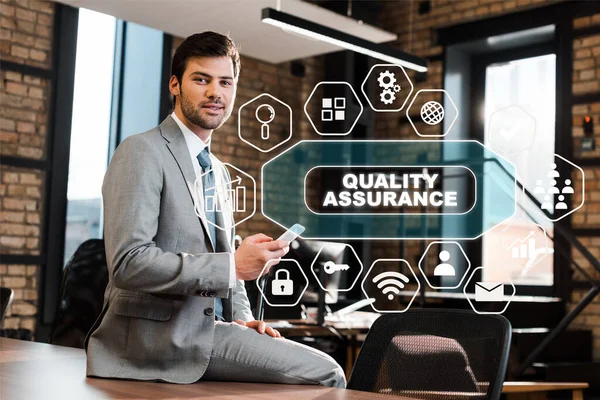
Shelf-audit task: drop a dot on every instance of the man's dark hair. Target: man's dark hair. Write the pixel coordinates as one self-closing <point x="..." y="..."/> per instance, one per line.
<point x="205" y="44"/>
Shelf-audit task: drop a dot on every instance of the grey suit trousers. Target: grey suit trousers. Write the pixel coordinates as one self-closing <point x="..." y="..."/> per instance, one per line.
<point x="243" y="355"/>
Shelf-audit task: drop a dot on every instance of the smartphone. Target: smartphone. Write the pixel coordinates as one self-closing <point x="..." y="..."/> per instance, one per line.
<point x="291" y="234"/>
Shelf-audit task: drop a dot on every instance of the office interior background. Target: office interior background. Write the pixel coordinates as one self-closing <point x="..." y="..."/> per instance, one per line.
<point x="79" y="76"/>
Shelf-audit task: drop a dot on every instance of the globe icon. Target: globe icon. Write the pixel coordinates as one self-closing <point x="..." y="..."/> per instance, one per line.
<point x="432" y="113"/>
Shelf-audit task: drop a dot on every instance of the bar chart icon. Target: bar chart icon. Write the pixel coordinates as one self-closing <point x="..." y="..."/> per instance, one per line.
<point x="524" y="248"/>
<point x="233" y="199"/>
<point x="236" y="200"/>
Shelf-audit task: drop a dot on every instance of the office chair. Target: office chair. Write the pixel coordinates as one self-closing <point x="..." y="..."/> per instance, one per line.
<point x="436" y="354"/>
<point x="81" y="294"/>
<point x="6" y="298"/>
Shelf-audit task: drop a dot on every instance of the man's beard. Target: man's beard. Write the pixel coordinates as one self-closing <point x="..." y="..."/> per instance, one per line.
<point x="192" y="113"/>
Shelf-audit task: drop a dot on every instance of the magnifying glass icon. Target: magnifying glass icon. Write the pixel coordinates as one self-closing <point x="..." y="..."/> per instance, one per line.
<point x="264" y="130"/>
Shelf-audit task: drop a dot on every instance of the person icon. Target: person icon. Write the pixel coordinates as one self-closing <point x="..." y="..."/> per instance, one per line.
<point x="561" y="205"/>
<point x="568" y="189"/>
<point x="546" y="205"/>
<point x="553" y="173"/>
<point x="444" y="269"/>
<point x="539" y="187"/>
<point x="553" y="189"/>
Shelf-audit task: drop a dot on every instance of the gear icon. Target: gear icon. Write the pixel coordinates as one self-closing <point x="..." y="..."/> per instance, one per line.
<point x="387" y="96"/>
<point x="386" y="79"/>
<point x="397" y="88"/>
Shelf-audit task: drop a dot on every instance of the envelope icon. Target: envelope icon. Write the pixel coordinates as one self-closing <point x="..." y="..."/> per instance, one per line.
<point x="489" y="291"/>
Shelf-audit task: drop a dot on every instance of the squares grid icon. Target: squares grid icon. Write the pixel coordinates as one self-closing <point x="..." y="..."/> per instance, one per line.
<point x="326" y="115"/>
<point x="340" y="102"/>
<point x="333" y="109"/>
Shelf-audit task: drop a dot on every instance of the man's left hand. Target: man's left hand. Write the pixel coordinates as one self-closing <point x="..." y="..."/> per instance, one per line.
<point x="260" y="326"/>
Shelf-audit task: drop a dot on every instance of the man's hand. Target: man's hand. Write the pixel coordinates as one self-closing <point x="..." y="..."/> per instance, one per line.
<point x="260" y="326"/>
<point x="254" y="252"/>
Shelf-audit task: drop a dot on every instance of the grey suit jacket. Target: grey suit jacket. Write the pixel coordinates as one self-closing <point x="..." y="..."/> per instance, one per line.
<point x="157" y="321"/>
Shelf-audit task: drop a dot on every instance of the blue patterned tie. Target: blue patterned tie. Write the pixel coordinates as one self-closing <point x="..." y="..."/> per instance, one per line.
<point x="208" y="183"/>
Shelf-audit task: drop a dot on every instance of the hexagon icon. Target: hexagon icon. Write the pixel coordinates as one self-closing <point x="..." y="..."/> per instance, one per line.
<point x="289" y="169"/>
<point x="332" y="269"/>
<point x="446" y="261"/>
<point x="511" y="130"/>
<point x="522" y="243"/>
<point x="489" y="292"/>
<point x="285" y="264"/>
<point x="265" y="122"/>
<point x="389" y="282"/>
<point x="556" y="192"/>
<point x="232" y="198"/>
<point x="431" y="112"/>
<point x="333" y="108"/>
<point x="393" y="87"/>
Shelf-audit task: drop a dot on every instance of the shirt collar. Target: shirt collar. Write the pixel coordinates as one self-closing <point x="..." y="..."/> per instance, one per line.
<point x="194" y="143"/>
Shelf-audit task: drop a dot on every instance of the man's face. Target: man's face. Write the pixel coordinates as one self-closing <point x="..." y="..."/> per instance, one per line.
<point x="207" y="91"/>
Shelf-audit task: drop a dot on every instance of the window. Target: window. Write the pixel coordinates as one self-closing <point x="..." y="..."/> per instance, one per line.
<point x="90" y="128"/>
<point x="116" y="94"/>
<point x="529" y="84"/>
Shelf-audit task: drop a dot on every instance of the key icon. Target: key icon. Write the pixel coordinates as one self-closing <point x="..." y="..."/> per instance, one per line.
<point x="330" y="267"/>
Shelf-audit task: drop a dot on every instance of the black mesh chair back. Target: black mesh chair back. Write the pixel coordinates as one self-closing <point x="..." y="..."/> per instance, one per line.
<point x="434" y="354"/>
<point x="81" y="294"/>
<point x="6" y="297"/>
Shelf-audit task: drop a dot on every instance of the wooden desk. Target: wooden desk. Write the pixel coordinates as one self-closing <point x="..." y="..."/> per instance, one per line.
<point x="538" y="390"/>
<point x="30" y="370"/>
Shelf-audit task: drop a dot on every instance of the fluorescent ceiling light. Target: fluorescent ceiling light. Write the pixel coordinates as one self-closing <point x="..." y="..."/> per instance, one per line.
<point x="323" y="33"/>
<point x="533" y="35"/>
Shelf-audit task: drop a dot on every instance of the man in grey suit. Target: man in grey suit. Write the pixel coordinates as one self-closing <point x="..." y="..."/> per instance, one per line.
<point x="175" y="308"/>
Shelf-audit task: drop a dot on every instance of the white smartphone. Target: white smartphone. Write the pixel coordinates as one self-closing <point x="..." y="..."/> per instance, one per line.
<point x="291" y="234"/>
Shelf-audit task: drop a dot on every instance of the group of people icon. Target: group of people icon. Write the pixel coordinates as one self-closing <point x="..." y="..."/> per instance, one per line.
<point x="554" y="177"/>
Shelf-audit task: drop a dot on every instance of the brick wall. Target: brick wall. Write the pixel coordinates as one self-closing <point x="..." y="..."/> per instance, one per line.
<point x="26" y="32"/>
<point x="586" y="58"/>
<point x="586" y="80"/>
<point x="25" y="38"/>
<point x="24" y="115"/>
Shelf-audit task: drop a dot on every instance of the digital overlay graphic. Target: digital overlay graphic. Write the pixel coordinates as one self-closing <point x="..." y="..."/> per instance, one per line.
<point x="448" y="191"/>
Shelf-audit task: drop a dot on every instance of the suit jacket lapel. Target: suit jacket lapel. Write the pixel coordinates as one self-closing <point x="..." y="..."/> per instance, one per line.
<point x="178" y="148"/>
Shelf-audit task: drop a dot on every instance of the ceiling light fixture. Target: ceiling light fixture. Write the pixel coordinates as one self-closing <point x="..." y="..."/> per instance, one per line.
<point x="312" y="30"/>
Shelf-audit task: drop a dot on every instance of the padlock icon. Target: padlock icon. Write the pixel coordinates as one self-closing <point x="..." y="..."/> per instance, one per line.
<point x="282" y="287"/>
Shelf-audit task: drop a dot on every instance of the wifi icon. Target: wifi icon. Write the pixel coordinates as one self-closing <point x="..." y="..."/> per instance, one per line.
<point x="390" y="283"/>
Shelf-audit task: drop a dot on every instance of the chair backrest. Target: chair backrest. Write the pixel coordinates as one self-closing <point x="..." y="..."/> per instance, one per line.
<point x="434" y="354"/>
<point x="6" y="297"/>
<point x="81" y="294"/>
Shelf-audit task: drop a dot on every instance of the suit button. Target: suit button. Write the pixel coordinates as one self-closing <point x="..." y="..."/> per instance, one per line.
<point x="212" y="294"/>
<point x="208" y="311"/>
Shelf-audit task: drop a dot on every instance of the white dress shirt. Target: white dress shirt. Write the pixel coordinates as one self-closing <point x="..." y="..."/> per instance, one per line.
<point x="195" y="145"/>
